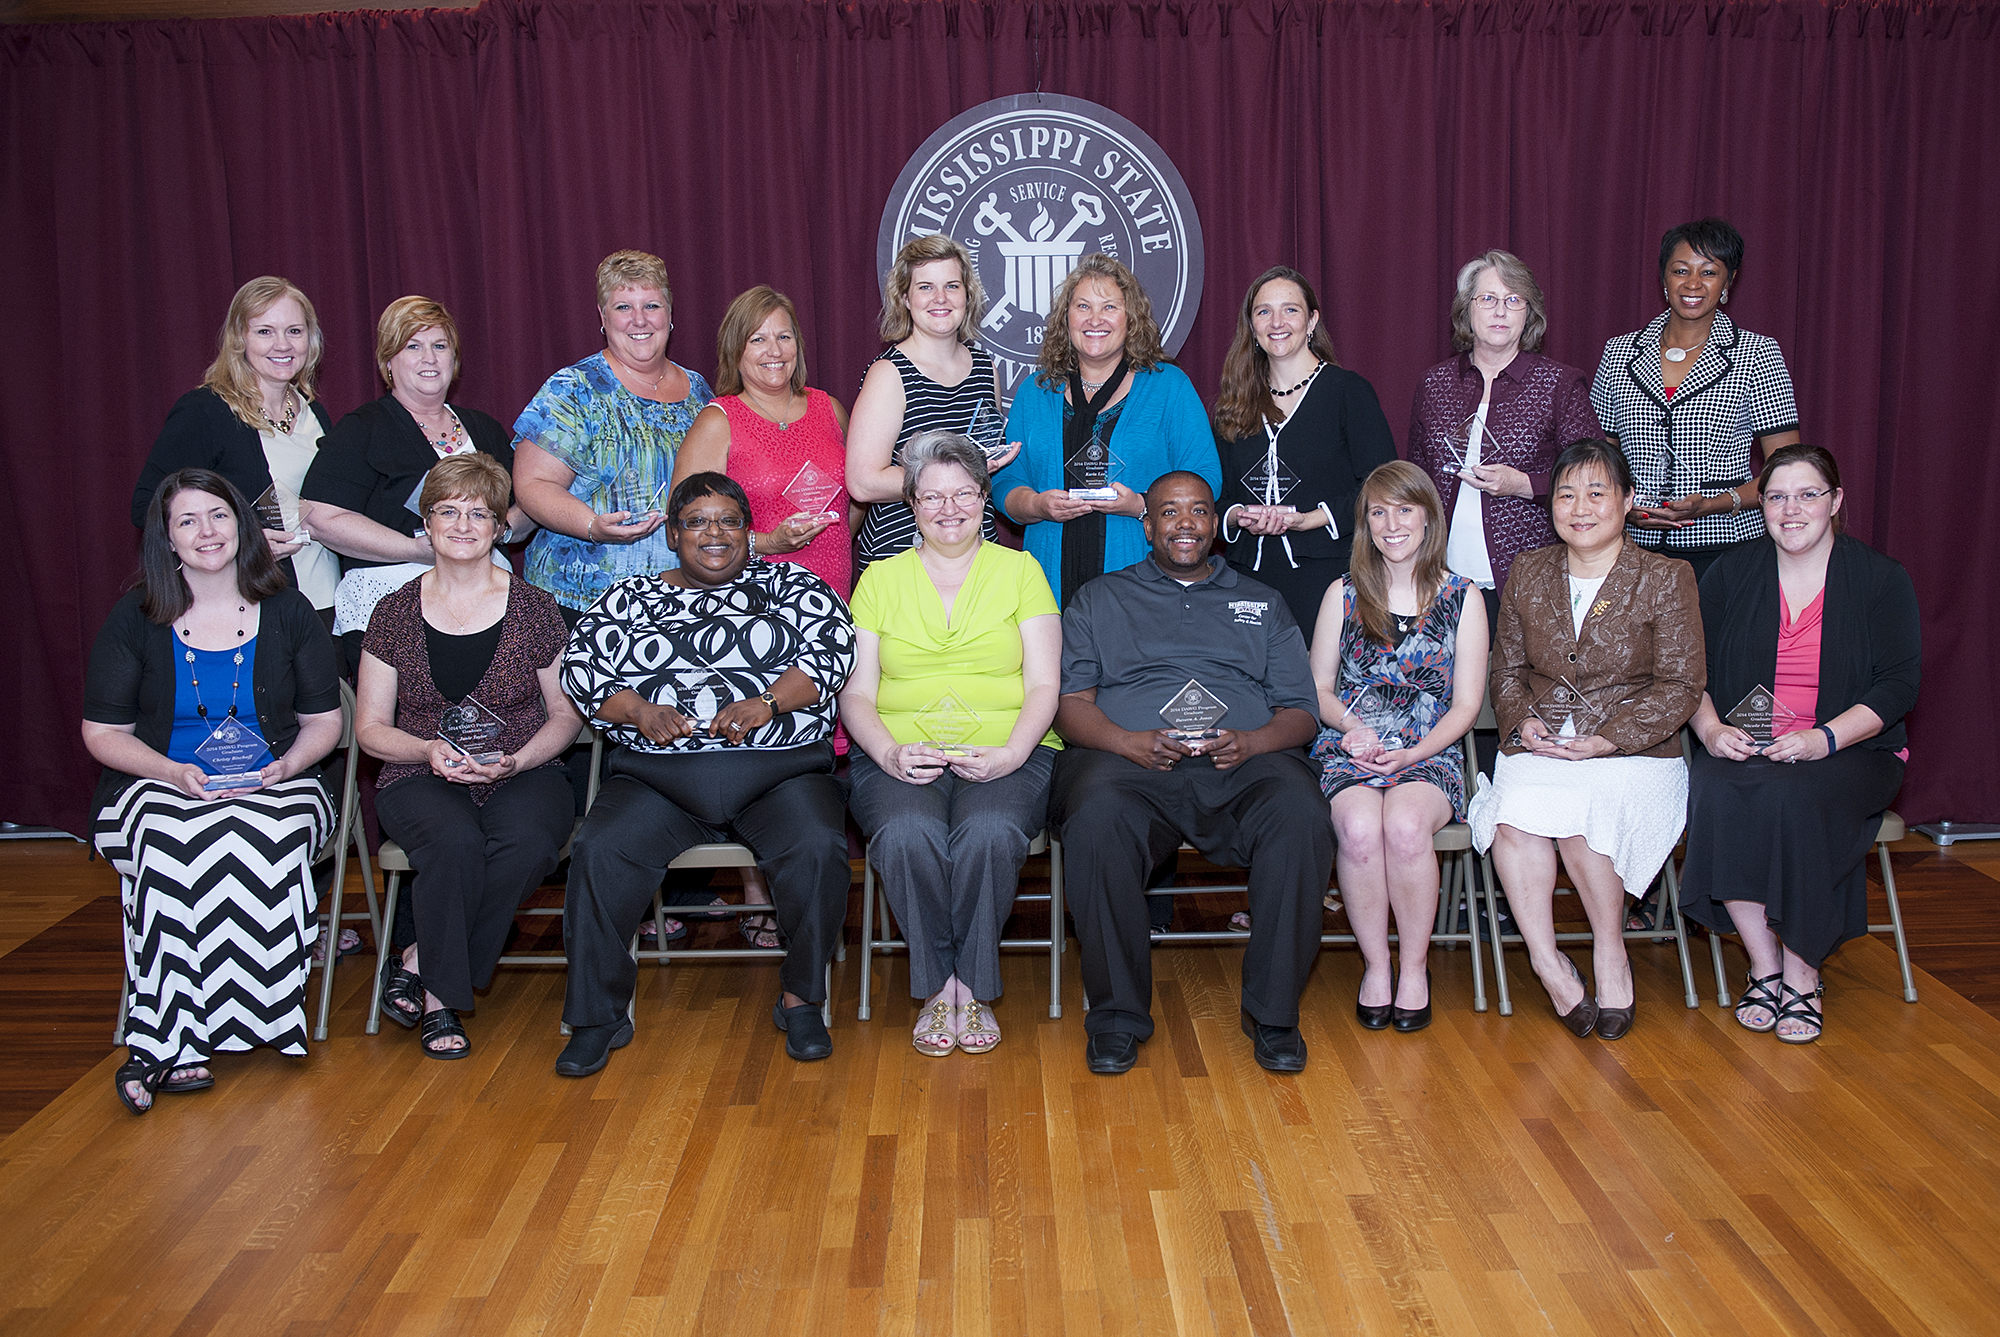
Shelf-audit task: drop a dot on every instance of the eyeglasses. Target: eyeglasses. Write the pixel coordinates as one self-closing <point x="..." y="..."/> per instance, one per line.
<point x="1804" y="498"/>
<point x="701" y="524"/>
<point x="449" y="515"/>
<point x="965" y="499"/>
<point x="1486" y="301"/>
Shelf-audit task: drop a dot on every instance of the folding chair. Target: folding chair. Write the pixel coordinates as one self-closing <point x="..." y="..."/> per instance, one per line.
<point x="1056" y="942"/>
<point x="1890" y="830"/>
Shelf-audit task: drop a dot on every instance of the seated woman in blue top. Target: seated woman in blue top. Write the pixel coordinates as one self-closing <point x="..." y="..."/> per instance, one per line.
<point x="210" y="700"/>
<point x="1105" y="412"/>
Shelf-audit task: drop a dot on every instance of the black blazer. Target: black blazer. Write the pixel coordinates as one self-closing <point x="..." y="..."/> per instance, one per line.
<point x="131" y="677"/>
<point x="201" y="433"/>
<point x="376" y="456"/>
<point x="1334" y="439"/>
<point x="1871" y="648"/>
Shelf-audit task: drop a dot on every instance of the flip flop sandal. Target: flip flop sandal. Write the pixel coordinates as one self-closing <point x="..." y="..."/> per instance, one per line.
<point x="400" y="986"/>
<point x="441" y="1024"/>
<point x="176" y="1086"/>
<point x="676" y="930"/>
<point x="1240" y="922"/>
<point x="755" y="928"/>
<point x="1797" y="1006"/>
<point x="935" y="1037"/>
<point x="1761" y="993"/>
<point x="350" y="945"/>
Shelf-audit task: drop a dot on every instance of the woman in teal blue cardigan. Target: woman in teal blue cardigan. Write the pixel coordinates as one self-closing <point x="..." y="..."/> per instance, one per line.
<point x="1104" y="410"/>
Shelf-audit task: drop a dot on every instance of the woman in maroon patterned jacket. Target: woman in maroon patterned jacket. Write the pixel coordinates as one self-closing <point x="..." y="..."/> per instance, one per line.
<point x="1488" y="425"/>
<point x="460" y="697"/>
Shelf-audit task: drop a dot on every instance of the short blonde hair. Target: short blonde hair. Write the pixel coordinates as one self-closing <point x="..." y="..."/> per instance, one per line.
<point x="400" y="321"/>
<point x="474" y="474"/>
<point x="230" y="375"/>
<point x="632" y="269"/>
<point x="1142" y="332"/>
<point x="895" y="325"/>
<point x="745" y="314"/>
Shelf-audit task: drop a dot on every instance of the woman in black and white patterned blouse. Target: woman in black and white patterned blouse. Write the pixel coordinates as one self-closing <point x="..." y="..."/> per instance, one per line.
<point x="1685" y="397"/>
<point x="716" y="681"/>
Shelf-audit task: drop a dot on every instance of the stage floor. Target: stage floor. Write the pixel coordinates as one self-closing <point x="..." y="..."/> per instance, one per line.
<point x="1487" y="1175"/>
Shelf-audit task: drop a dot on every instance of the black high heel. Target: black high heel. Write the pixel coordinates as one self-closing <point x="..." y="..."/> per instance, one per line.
<point x="1407" y="1019"/>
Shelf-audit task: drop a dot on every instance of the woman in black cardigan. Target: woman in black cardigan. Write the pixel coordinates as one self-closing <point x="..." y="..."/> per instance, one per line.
<point x="253" y="419"/>
<point x="1818" y="631"/>
<point x="210" y="700"/>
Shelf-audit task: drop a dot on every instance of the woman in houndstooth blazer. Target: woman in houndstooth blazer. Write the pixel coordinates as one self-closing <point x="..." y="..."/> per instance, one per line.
<point x="1685" y="397"/>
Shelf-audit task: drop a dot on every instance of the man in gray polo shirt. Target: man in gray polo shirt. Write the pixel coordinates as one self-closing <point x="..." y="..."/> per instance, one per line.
<point x="1127" y="792"/>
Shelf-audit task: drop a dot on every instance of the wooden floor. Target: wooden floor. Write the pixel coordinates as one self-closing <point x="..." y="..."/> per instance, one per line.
<point x="1489" y="1175"/>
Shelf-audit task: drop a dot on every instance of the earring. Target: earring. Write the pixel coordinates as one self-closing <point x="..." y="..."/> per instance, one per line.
<point x="1663" y="292"/>
<point x="1725" y="297"/>
<point x="601" y="334"/>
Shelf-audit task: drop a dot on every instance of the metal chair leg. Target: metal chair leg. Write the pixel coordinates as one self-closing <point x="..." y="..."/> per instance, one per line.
<point x="1896" y="923"/>
<point x="1499" y="948"/>
<point x="867" y="1009"/>
<point x="1058" y="941"/>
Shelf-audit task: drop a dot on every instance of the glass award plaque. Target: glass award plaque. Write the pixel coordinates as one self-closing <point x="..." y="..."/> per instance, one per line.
<point x="472" y="729"/>
<point x="1763" y="716"/>
<point x="1567" y="711"/>
<point x="270" y="509"/>
<point x="699" y="693"/>
<point x="1472" y="444"/>
<point x="812" y="490"/>
<point x="988" y="430"/>
<point x="1193" y="712"/>
<point x="237" y="753"/>
<point x="1270" y="481"/>
<point x="1390" y="710"/>
<point x="947" y="724"/>
<point x="625" y="490"/>
<point x="1656" y="491"/>
<point x="1092" y="466"/>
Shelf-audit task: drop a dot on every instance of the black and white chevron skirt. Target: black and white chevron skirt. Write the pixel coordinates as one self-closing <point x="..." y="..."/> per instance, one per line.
<point x="219" y="915"/>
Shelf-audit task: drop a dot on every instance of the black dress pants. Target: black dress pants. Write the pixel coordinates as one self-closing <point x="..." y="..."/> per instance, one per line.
<point x="787" y="806"/>
<point x="475" y="864"/>
<point x="1118" y="821"/>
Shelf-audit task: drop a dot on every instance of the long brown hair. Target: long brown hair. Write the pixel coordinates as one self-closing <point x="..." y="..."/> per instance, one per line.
<point x="1245" y="397"/>
<point x="230" y="375"/>
<point x="1393" y="483"/>
<point x="1142" y="332"/>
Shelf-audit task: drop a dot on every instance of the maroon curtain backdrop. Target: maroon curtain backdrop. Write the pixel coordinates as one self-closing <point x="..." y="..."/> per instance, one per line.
<point x="490" y="158"/>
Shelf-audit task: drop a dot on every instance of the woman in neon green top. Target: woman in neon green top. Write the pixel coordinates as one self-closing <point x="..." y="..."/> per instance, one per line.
<point x="957" y="655"/>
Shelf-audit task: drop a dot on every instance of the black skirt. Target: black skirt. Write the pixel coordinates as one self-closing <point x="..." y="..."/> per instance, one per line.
<point x="1794" y="837"/>
<point x="1301" y="587"/>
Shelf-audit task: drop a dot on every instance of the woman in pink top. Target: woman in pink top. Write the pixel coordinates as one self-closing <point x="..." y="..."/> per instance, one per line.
<point x="1813" y="660"/>
<point x="785" y="443"/>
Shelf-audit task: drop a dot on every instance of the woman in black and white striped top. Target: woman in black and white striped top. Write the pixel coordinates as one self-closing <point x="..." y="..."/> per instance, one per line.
<point x="932" y="377"/>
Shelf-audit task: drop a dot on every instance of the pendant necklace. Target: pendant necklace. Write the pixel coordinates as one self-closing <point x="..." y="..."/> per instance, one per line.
<point x="283" y="426"/>
<point x="1675" y="354"/>
<point x="194" y="681"/>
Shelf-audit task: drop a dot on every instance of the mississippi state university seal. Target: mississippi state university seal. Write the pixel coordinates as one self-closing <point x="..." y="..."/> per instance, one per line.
<point x="1029" y="185"/>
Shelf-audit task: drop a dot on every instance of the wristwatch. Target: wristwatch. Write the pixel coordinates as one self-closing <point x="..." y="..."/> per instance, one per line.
<point x="770" y="701"/>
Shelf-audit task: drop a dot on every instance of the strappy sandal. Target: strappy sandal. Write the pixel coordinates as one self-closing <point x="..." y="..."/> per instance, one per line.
<point x="934" y="1035"/>
<point x="1797" y="1006"/>
<point x="180" y="1086"/>
<point x="400" y="986"/>
<point x="757" y="928"/>
<point x="976" y="1032"/>
<point x="147" y="1075"/>
<point x="441" y="1023"/>
<point x="1760" y="993"/>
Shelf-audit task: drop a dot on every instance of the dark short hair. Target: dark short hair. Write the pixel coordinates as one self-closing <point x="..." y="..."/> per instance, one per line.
<point x="709" y="484"/>
<point x="1712" y="237"/>
<point x="1173" y="474"/>
<point x="1583" y="454"/>
<point x="167" y="596"/>
<point x="1817" y="458"/>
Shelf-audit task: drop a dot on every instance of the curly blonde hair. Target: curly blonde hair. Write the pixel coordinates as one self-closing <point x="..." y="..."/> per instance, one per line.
<point x="895" y="325"/>
<point x="1142" y="332"/>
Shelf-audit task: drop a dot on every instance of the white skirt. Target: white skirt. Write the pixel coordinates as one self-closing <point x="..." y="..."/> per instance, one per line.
<point x="1631" y="810"/>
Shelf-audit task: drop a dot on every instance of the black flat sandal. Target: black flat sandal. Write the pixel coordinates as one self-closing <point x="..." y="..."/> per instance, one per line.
<point x="1761" y="993"/>
<point x="1797" y="1006"/>
<point x="179" y="1086"/>
<point x="147" y="1075"/>
<point x="441" y="1023"/>
<point x="401" y="985"/>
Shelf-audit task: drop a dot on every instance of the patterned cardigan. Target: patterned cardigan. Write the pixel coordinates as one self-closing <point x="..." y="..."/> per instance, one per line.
<point x="1640" y="656"/>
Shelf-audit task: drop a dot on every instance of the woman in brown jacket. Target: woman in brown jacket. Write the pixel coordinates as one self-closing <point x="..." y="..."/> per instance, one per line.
<point x="1598" y="663"/>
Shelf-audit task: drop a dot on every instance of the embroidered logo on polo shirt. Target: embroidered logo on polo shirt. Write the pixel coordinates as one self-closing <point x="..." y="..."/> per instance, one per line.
<point x="1249" y="612"/>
